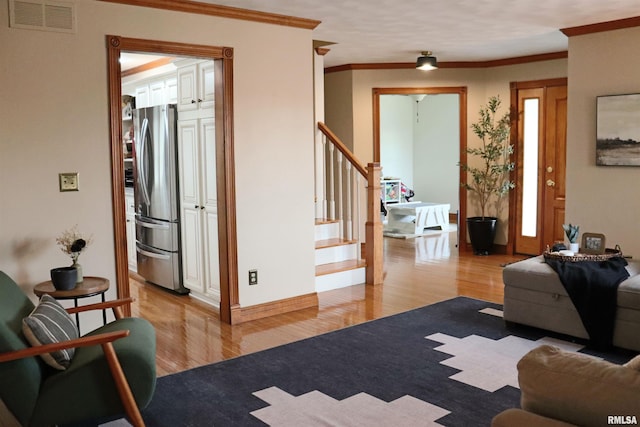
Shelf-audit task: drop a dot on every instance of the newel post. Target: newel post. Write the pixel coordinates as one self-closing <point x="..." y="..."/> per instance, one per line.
<point x="373" y="228"/>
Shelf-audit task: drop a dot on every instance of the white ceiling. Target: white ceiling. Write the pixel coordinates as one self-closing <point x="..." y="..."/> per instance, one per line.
<point x="131" y="60"/>
<point x="378" y="31"/>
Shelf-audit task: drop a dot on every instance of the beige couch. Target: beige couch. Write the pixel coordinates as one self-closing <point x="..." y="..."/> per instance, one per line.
<point x="535" y="296"/>
<point x="561" y="388"/>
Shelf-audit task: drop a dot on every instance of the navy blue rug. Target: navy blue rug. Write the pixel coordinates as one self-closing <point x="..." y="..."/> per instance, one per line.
<point x="430" y="366"/>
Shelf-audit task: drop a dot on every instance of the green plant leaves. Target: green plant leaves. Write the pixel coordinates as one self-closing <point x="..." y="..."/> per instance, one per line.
<point x="491" y="177"/>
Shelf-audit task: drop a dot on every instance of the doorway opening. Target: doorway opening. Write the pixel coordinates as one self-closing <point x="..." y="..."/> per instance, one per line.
<point x="419" y="138"/>
<point x="222" y="58"/>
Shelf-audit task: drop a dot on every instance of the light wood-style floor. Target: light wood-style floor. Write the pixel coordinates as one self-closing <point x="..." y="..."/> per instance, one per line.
<point x="418" y="272"/>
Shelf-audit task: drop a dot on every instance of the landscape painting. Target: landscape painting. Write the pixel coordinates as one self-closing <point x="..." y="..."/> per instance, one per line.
<point x="618" y="130"/>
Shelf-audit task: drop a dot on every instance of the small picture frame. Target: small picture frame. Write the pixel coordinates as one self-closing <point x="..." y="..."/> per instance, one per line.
<point x="593" y="243"/>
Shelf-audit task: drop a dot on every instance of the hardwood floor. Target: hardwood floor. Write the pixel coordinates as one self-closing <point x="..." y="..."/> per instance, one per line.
<point x="418" y="272"/>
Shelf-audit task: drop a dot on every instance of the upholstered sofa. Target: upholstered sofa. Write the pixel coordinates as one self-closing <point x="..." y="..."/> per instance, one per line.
<point x="535" y="296"/>
<point x="561" y="388"/>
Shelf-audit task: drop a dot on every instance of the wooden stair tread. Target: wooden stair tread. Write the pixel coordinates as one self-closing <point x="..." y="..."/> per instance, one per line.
<point x="321" y="221"/>
<point x="336" y="267"/>
<point x="328" y="243"/>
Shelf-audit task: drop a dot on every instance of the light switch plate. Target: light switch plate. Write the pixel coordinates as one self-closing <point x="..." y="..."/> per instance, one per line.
<point x="68" y="181"/>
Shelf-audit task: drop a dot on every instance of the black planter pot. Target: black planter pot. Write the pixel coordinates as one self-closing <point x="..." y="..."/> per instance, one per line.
<point x="482" y="232"/>
<point x="64" y="278"/>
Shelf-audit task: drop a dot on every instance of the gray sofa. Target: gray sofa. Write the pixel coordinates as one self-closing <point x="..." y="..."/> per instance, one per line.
<point x="535" y="296"/>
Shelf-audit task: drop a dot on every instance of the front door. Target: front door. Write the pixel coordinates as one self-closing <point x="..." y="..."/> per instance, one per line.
<point x="540" y="164"/>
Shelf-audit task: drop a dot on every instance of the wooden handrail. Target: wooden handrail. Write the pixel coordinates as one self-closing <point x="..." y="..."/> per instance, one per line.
<point x="343" y="149"/>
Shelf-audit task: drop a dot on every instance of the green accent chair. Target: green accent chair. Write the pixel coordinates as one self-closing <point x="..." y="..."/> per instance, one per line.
<point x="113" y="371"/>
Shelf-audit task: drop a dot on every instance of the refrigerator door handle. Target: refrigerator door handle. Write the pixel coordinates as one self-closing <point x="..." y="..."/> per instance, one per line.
<point x="143" y="165"/>
<point x="153" y="225"/>
<point x="153" y="255"/>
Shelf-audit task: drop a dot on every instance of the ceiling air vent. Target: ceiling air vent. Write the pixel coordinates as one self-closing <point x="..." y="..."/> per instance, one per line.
<point x="45" y="15"/>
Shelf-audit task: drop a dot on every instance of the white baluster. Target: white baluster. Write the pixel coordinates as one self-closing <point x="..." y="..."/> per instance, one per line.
<point x="320" y="176"/>
<point x="340" y="198"/>
<point x="358" y="213"/>
<point x="348" y="204"/>
<point x="332" y="200"/>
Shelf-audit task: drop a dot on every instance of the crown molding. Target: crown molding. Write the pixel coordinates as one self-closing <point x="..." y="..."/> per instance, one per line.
<point x="602" y="26"/>
<point x="452" y="64"/>
<point x="223" y="11"/>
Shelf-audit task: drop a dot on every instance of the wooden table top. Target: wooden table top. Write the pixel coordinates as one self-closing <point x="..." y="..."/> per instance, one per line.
<point x="91" y="285"/>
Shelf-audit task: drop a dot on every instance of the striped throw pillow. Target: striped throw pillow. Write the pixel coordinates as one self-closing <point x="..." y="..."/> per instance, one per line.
<point x="50" y="323"/>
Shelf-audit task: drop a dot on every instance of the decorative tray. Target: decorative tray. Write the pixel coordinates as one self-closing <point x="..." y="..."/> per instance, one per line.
<point x="608" y="254"/>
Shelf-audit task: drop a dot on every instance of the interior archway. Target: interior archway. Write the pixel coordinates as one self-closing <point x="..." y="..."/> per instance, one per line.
<point x="223" y="59"/>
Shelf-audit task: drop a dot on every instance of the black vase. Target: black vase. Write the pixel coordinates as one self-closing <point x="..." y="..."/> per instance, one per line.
<point x="482" y="232"/>
<point x="64" y="278"/>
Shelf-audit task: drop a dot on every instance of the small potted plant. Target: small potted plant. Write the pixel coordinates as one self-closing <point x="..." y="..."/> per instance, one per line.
<point x="572" y="232"/>
<point x="490" y="176"/>
<point x="72" y="243"/>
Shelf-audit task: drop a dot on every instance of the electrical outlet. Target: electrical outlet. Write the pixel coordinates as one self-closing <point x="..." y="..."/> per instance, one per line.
<point x="253" y="277"/>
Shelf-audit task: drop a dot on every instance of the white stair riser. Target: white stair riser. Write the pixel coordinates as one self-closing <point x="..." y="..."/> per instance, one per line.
<point x="341" y="279"/>
<point x="336" y="254"/>
<point x="327" y="231"/>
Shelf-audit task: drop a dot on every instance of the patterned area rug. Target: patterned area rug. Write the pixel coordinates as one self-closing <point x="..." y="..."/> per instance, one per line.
<point x="447" y="364"/>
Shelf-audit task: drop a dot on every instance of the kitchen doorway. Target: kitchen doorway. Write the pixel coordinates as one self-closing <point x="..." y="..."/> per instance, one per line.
<point x="413" y="149"/>
<point x="225" y="174"/>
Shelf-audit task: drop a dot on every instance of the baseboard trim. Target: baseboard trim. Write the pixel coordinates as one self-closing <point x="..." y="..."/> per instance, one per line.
<point x="267" y="309"/>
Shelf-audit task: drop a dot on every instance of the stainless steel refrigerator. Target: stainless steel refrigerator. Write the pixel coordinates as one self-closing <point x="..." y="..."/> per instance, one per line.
<point x="155" y="174"/>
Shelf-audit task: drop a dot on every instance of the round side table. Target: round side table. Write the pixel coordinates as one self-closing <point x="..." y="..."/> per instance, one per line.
<point x="89" y="287"/>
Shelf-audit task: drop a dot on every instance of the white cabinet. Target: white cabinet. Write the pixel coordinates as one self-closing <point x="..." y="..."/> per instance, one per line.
<point x="199" y="208"/>
<point x="142" y="96"/>
<point x="158" y="91"/>
<point x="131" y="230"/>
<point x="196" y="89"/>
<point x="171" y="90"/>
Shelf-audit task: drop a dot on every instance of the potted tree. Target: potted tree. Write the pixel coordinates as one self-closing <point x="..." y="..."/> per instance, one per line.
<point x="490" y="174"/>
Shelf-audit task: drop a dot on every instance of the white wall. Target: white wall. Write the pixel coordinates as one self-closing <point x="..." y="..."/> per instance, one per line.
<point x="601" y="199"/>
<point x="55" y="119"/>
<point x="396" y="137"/>
<point x="437" y="150"/>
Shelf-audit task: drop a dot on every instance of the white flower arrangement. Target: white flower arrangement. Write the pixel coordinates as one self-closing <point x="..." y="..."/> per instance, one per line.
<point x="73" y="243"/>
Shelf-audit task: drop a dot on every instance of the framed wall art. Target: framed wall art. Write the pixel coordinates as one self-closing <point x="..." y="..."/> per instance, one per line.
<point x="618" y="130"/>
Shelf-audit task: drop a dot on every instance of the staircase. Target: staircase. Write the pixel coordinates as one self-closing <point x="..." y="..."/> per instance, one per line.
<point x="338" y="261"/>
<point x="348" y="236"/>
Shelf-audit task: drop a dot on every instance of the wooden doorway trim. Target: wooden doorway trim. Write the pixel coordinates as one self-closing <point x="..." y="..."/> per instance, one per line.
<point x="461" y="91"/>
<point x="229" y="302"/>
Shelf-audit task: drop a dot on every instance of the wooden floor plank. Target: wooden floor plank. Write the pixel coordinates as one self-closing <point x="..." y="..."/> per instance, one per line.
<point x="418" y="272"/>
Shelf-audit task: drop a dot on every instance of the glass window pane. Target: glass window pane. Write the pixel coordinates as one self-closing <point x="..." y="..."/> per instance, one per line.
<point x="530" y="169"/>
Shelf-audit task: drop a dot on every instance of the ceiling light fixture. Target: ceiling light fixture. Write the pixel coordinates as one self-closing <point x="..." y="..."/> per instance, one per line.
<point x="426" y="62"/>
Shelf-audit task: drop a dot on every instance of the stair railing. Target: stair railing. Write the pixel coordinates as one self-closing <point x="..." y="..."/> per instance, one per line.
<point x="349" y="192"/>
